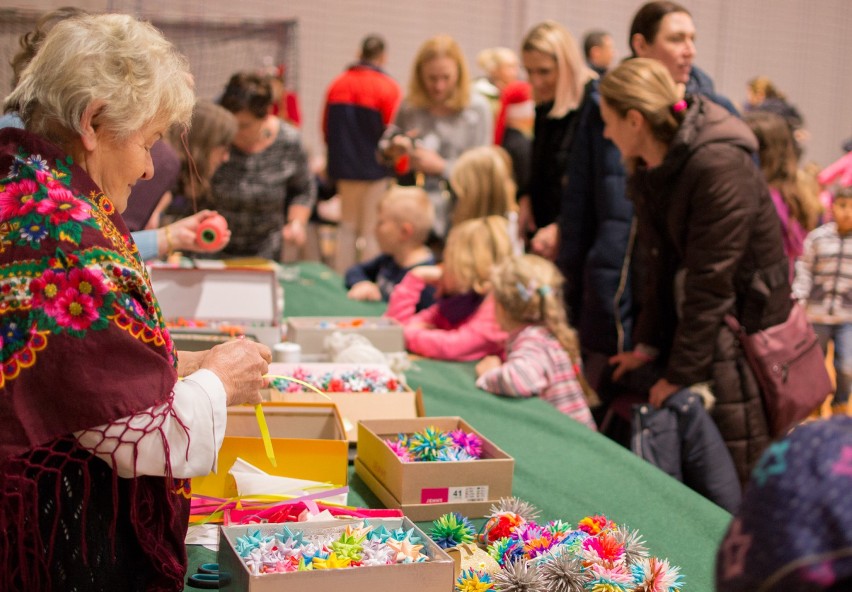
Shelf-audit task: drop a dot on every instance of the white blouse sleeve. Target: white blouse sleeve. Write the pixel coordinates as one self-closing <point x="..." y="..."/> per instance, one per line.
<point x="189" y="428"/>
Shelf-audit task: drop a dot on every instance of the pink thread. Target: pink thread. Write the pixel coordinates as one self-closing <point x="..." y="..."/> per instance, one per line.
<point x="679" y="106"/>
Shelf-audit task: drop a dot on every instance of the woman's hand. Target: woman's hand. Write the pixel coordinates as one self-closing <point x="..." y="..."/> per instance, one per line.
<point x="487" y="363"/>
<point x="427" y="161"/>
<point x="294" y="233"/>
<point x="661" y="391"/>
<point x="546" y="241"/>
<point x="626" y="362"/>
<point x="526" y="220"/>
<point x="181" y="235"/>
<point x="365" y="291"/>
<point x="240" y="365"/>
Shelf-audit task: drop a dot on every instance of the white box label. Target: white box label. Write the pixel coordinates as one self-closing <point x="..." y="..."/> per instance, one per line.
<point x="472" y="493"/>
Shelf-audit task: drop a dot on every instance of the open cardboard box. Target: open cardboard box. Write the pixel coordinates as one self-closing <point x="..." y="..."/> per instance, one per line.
<point x="307" y="438"/>
<point x="428" y="490"/>
<point x="353" y="407"/>
<point x="246" y="299"/>
<point x="435" y="575"/>
<point x="310" y="332"/>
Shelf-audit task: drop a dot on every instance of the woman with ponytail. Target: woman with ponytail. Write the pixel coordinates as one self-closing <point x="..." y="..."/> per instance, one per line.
<point x="711" y="243"/>
<point x="543" y="352"/>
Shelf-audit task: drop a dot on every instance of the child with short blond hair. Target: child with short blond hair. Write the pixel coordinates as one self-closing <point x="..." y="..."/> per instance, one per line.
<point x="405" y="218"/>
<point x="461" y="325"/>
<point x="543" y="352"/>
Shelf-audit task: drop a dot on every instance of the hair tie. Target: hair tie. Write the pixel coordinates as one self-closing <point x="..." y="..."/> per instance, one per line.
<point x="523" y="292"/>
<point x="679" y="106"/>
<point x="544" y="291"/>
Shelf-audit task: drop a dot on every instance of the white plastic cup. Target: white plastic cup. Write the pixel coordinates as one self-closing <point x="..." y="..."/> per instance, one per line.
<point x="287" y="352"/>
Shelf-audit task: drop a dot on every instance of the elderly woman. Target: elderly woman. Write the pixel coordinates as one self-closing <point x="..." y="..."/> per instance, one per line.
<point x="440" y="118"/>
<point x="713" y="245"/>
<point x="265" y="190"/>
<point x="99" y="435"/>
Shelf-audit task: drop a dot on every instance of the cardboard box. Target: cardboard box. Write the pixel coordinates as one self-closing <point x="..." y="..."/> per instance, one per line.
<point x="236" y="298"/>
<point x="307" y="438"/>
<point x="435" y="575"/>
<point x="353" y="407"/>
<point x="427" y="490"/>
<point x="310" y="333"/>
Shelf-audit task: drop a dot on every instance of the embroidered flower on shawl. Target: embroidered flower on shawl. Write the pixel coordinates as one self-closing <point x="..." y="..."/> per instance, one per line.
<point x="62" y="206"/>
<point x="17" y="199"/>
<point x="89" y="283"/>
<point x="47" y="289"/>
<point x="12" y="334"/>
<point x="75" y="310"/>
<point x="33" y="232"/>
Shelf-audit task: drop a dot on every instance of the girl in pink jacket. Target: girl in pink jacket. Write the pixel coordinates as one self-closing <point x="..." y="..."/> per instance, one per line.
<point x="461" y="325"/>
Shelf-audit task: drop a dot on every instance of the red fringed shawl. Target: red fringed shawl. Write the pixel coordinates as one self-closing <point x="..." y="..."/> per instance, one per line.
<point x="82" y="344"/>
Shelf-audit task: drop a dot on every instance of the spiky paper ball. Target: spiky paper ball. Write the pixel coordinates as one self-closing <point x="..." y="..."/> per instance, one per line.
<point x="519" y="576"/>
<point x="427" y="444"/>
<point x="604" y="549"/>
<point x="451" y="530"/>
<point x="500" y="526"/>
<point x="470" y="442"/>
<point x="595" y="524"/>
<point x="506" y="550"/>
<point x="615" y="578"/>
<point x="656" y="575"/>
<point x="453" y="453"/>
<point x="633" y="543"/>
<point x="514" y="505"/>
<point x="472" y="580"/>
<point x="400" y="450"/>
<point x="558" y="530"/>
<point x="564" y="573"/>
<point x="536" y="547"/>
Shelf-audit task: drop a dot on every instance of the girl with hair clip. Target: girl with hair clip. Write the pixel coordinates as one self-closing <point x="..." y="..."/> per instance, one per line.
<point x="712" y="246"/>
<point x="543" y="352"/>
<point x="461" y="325"/>
<point x="483" y="185"/>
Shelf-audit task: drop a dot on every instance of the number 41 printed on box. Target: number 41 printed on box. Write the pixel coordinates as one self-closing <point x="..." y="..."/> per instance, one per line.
<point x="439" y="495"/>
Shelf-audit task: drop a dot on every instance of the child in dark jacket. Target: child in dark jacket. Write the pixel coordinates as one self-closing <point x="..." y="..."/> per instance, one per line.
<point x="404" y="220"/>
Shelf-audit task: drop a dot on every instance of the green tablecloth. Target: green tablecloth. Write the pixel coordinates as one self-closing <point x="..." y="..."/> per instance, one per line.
<point x="566" y="470"/>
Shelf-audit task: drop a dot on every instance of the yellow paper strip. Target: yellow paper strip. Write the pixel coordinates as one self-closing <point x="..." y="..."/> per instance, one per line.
<point x="264" y="433"/>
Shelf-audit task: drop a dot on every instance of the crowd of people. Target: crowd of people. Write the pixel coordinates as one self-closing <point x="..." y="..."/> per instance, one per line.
<point x="580" y="233"/>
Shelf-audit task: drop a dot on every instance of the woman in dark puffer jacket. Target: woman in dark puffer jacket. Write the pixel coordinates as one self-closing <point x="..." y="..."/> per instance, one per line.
<point x="712" y="242"/>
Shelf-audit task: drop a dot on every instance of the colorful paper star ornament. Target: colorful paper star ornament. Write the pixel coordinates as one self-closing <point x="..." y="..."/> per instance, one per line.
<point x="331" y="562"/>
<point x="405" y="550"/>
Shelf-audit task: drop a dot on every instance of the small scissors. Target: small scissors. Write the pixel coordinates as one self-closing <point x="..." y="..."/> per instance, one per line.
<point x="208" y="577"/>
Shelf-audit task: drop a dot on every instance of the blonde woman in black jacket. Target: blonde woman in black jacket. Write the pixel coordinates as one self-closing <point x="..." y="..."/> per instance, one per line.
<point x="712" y="241"/>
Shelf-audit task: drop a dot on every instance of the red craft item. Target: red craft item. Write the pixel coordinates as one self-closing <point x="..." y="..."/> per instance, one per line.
<point x="211" y="232"/>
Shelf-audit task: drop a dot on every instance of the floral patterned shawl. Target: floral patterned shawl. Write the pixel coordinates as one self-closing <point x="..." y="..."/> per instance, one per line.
<point x="82" y="344"/>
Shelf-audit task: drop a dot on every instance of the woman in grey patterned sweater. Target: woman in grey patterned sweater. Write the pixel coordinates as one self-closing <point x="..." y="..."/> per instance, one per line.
<point x="264" y="190"/>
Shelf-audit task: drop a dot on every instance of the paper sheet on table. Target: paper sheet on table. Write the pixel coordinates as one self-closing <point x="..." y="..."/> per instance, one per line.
<point x="206" y="535"/>
<point x="253" y="481"/>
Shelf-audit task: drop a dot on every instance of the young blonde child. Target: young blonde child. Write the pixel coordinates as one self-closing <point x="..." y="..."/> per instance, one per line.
<point x="405" y="217"/>
<point x="461" y="324"/>
<point x="543" y="352"/>
<point x="483" y="185"/>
